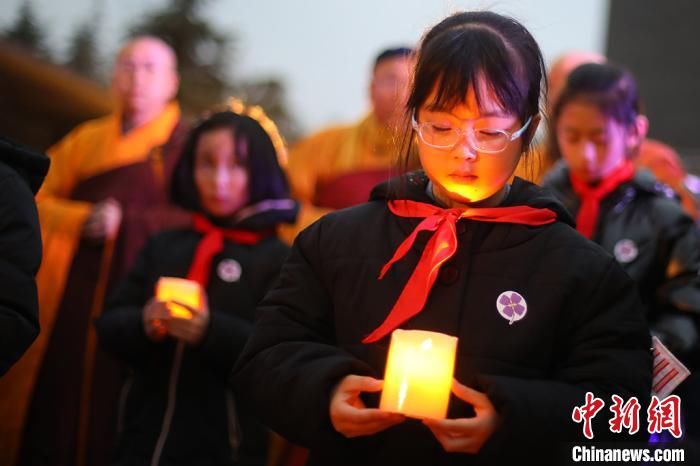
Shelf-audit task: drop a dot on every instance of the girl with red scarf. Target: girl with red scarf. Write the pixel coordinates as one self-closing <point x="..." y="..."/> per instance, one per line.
<point x="542" y="314"/>
<point x="176" y="406"/>
<point x="598" y="128"/>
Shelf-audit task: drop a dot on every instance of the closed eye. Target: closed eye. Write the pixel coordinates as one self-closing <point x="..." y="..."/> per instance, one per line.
<point x="439" y="128"/>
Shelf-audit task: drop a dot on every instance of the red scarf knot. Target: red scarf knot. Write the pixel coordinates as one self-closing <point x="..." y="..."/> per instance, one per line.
<point x="212" y="243"/>
<point x="440" y="248"/>
<point x="587" y="217"/>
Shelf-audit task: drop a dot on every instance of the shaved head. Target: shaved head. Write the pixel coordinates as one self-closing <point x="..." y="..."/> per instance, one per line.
<point x="152" y="42"/>
<point x="563" y="66"/>
<point x="144" y="79"/>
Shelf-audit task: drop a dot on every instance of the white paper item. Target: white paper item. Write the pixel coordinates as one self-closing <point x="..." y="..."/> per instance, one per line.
<point x="669" y="372"/>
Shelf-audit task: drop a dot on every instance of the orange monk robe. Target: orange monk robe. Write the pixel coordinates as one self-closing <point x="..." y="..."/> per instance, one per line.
<point x="666" y="165"/>
<point x="94" y="147"/>
<point x="338" y="167"/>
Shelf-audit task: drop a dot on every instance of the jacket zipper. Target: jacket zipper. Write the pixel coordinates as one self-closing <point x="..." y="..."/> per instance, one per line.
<point x="170" y="406"/>
<point x="234" y="430"/>
<point x="123" y="398"/>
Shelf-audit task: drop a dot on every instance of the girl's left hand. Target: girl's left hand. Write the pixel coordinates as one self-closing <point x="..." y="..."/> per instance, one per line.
<point x="466" y="435"/>
<point x="190" y="330"/>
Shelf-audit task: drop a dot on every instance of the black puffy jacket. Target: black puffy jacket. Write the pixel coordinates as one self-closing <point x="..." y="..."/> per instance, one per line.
<point x="21" y="174"/>
<point x="208" y="425"/>
<point x="642" y="224"/>
<point x="582" y="331"/>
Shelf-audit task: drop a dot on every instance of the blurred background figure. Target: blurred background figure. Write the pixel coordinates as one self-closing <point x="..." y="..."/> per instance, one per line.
<point x="21" y="173"/>
<point x="597" y="130"/>
<point x="229" y="178"/>
<point x="105" y="193"/>
<point x="659" y="158"/>
<point x="338" y="167"/>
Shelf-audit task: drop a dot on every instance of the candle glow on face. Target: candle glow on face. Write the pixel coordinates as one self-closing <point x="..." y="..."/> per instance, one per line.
<point x="419" y="371"/>
<point x="184" y="291"/>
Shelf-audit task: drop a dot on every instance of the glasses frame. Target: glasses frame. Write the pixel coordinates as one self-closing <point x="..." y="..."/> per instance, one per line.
<point x="469" y="131"/>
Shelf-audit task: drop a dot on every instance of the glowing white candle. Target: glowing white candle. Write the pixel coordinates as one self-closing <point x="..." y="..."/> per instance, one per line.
<point x="419" y="372"/>
<point x="169" y="289"/>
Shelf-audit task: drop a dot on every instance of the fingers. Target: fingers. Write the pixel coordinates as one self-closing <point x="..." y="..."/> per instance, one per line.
<point x="466" y="434"/>
<point x="357" y="383"/>
<point x="354" y="421"/>
<point x="104" y="220"/>
<point x="382" y="422"/>
<point x="454" y="442"/>
<point x="348" y="413"/>
<point x="191" y="330"/>
<point x="454" y="427"/>
<point x="469" y="395"/>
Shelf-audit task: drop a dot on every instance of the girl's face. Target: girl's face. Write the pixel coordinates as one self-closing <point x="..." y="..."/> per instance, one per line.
<point x="462" y="175"/>
<point x="592" y="144"/>
<point x="221" y="179"/>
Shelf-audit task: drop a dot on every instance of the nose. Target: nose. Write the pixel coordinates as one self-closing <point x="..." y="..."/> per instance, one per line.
<point x="465" y="148"/>
<point x="221" y="180"/>
<point x="589" y="153"/>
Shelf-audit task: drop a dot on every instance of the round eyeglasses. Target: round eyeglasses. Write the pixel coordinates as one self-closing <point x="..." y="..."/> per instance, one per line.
<point x="487" y="140"/>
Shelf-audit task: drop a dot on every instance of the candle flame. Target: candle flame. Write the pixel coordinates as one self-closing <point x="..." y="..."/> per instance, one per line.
<point x="427" y="344"/>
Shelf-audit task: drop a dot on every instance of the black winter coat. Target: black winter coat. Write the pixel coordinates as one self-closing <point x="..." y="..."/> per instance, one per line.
<point x="658" y="245"/>
<point x="209" y="425"/>
<point x="21" y="175"/>
<point x="582" y="331"/>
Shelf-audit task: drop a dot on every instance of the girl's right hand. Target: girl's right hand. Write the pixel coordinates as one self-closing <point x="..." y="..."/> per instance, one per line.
<point x="155" y="319"/>
<point x="349" y="415"/>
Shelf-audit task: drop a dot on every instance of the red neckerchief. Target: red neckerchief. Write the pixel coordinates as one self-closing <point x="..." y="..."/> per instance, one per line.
<point x="441" y="246"/>
<point x="212" y="243"/>
<point x="590" y="196"/>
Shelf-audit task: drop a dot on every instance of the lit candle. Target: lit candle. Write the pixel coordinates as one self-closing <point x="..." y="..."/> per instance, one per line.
<point x="169" y="289"/>
<point x="419" y="371"/>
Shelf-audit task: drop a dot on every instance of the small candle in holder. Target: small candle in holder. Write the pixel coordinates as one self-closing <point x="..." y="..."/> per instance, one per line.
<point x="419" y="371"/>
<point x="169" y="289"/>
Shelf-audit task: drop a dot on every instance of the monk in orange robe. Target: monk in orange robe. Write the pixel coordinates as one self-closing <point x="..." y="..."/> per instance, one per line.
<point x="339" y="166"/>
<point x="105" y="193"/>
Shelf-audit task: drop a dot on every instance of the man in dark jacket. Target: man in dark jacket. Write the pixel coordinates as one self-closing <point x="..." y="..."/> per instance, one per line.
<point x="21" y="175"/>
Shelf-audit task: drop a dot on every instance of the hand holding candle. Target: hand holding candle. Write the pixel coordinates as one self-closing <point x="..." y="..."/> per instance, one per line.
<point x="155" y="317"/>
<point x="187" y="310"/>
<point x="181" y="295"/>
<point x="348" y="413"/>
<point x="466" y="435"/>
<point x="419" y="372"/>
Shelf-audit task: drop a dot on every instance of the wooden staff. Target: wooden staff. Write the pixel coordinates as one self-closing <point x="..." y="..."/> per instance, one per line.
<point x="91" y="348"/>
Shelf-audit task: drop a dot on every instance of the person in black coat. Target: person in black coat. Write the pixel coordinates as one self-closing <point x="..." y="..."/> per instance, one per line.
<point x="543" y="316"/>
<point x="598" y="129"/>
<point x="21" y="174"/>
<point x="176" y="407"/>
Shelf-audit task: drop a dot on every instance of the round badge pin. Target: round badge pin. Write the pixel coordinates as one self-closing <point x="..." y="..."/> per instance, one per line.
<point x="229" y="270"/>
<point x="625" y="251"/>
<point x="511" y="306"/>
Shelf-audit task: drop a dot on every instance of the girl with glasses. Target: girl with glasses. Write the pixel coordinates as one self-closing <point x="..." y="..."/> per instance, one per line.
<point x="542" y="315"/>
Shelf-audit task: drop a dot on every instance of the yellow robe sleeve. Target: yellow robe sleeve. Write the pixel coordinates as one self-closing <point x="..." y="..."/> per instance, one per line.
<point x="309" y="161"/>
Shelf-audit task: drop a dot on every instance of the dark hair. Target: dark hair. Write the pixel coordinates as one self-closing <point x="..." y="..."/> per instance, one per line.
<point x="469" y="46"/>
<point x="388" y="54"/>
<point x="610" y="88"/>
<point x="266" y="179"/>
